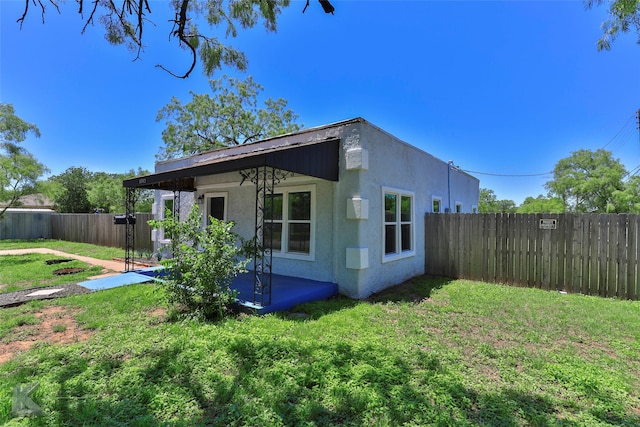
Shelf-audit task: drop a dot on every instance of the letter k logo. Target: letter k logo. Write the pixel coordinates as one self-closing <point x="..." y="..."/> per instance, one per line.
<point x="22" y="405"/>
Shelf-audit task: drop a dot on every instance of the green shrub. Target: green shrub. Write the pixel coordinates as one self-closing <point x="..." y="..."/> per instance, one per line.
<point x="203" y="263"/>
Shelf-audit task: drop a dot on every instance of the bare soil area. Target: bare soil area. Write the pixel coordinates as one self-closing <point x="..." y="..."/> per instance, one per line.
<point x="57" y="326"/>
<point x="11" y="299"/>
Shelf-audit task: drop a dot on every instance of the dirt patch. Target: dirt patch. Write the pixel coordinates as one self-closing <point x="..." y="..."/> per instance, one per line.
<point x="12" y="299"/>
<point x="70" y="270"/>
<point x="57" y="261"/>
<point x="57" y="326"/>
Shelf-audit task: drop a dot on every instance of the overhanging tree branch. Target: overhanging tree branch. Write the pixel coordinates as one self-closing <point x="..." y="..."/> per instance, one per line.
<point x="124" y="22"/>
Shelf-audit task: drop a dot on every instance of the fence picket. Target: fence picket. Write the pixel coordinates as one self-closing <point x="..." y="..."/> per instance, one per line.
<point x="594" y="254"/>
<point x="97" y="229"/>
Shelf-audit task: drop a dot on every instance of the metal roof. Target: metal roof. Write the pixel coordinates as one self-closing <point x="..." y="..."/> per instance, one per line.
<point x="315" y="158"/>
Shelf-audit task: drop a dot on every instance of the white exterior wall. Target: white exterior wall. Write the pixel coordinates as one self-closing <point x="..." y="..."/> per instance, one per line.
<point x="349" y="221"/>
<point x="373" y="161"/>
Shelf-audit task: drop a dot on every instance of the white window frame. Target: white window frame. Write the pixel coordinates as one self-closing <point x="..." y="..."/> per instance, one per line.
<point x="474" y="209"/>
<point x="456" y="207"/>
<point x="207" y="205"/>
<point x="399" y="254"/>
<point x="161" y="212"/>
<point x="282" y="253"/>
<point x="433" y="200"/>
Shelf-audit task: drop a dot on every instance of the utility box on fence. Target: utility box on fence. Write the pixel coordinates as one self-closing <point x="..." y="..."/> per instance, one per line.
<point x="124" y="219"/>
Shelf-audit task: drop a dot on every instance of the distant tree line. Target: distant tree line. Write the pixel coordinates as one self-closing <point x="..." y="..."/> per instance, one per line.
<point x="78" y="190"/>
<point x="585" y="182"/>
<point x="232" y="115"/>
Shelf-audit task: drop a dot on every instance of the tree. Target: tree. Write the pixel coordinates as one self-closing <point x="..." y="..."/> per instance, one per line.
<point x="489" y="203"/>
<point x="586" y="181"/>
<point x="541" y="204"/>
<point x="203" y="264"/>
<point x="623" y="16"/>
<point x="230" y="117"/>
<point x="19" y="170"/>
<point x="125" y="22"/>
<point x="106" y="193"/>
<point x="628" y="199"/>
<point x="73" y="196"/>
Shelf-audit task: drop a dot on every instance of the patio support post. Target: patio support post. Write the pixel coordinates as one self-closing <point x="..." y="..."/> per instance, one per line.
<point x="176" y="204"/>
<point x="262" y="259"/>
<point x="265" y="179"/>
<point x="130" y="209"/>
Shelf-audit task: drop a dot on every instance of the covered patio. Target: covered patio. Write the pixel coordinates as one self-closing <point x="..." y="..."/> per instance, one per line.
<point x="264" y="165"/>
<point x="287" y="291"/>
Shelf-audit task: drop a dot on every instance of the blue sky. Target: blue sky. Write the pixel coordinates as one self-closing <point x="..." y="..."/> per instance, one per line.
<point x="504" y="87"/>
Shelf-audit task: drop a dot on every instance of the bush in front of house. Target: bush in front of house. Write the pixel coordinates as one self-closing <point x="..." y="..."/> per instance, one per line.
<point x="203" y="263"/>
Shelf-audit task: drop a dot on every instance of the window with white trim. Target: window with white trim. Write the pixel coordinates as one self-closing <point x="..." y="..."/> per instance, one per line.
<point x="436" y="204"/>
<point x="289" y="231"/>
<point x="399" y="226"/>
<point x="166" y="211"/>
<point x="458" y="207"/>
<point x="474" y="209"/>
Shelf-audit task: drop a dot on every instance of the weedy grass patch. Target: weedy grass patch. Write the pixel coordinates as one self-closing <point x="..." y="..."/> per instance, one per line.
<point x="31" y="270"/>
<point x="432" y="351"/>
<point x="85" y="249"/>
<point x="466" y="354"/>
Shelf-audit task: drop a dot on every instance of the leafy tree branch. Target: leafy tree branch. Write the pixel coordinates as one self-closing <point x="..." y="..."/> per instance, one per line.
<point x="624" y="15"/>
<point x="232" y="116"/>
<point x="125" y="21"/>
<point x="19" y="170"/>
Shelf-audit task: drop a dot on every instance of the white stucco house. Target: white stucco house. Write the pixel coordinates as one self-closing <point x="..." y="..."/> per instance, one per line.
<point x="341" y="203"/>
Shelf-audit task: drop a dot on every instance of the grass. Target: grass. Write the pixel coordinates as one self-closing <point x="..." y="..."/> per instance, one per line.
<point x="93" y="251"/>
<point x="29" y="271"/>
<point x="429" y="352"/>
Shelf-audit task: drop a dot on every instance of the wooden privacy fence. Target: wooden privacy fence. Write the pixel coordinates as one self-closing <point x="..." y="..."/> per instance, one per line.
<point x="25" y="225"/>
<point x="593" y="254"/>
<point x="99" y="229"/>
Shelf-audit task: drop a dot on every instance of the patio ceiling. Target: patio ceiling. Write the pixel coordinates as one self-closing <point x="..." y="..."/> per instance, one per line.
<point x="318" y="159"/>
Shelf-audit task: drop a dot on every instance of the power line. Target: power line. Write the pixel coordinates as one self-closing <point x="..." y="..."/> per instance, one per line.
<point x="508" y="175"/>
<point x="628" y="130"/>
<point x="620" y="131"/>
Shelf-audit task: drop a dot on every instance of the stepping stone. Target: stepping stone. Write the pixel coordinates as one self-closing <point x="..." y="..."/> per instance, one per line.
<point x="43" y="292"/>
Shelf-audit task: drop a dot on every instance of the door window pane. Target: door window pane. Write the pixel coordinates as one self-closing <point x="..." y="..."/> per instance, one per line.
<point x="216" y="208"/>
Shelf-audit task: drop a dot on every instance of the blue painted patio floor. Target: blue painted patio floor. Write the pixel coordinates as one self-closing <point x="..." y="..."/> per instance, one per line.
<point x="286" y="291"/>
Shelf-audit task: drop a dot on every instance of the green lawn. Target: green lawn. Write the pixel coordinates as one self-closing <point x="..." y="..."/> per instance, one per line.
<point x="430" y="352"/>
<point x="31" y="271"/>
<point x="93" y="251"/>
